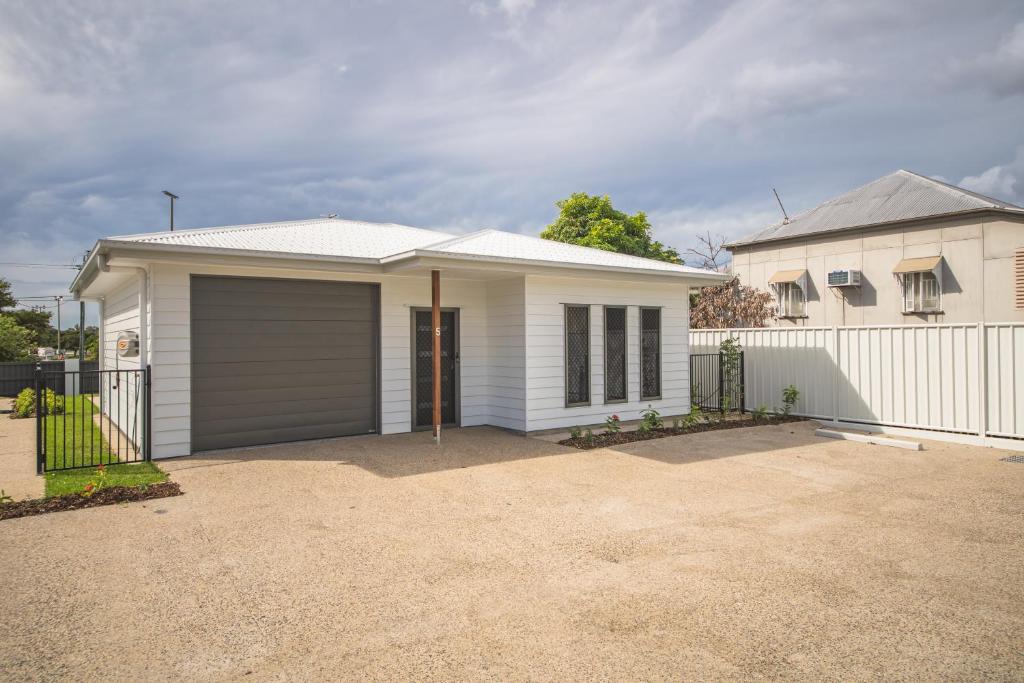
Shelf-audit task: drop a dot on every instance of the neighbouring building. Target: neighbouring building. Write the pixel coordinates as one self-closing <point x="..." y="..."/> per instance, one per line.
<point x="902" y="249"/>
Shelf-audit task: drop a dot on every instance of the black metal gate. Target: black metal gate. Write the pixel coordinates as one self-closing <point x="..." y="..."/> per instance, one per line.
<point x="86" y="418"/>
<point x="716" y="381"/>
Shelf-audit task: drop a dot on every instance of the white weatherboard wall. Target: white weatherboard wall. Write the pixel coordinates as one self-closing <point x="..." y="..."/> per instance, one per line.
<point x="488" y="312"/>
<point x="120" y="398"/>
<point x="966" y="378"/>
<point x="545" y="342"/>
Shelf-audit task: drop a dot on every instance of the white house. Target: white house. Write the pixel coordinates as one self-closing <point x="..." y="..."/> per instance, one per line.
<point x="319" y="328"/>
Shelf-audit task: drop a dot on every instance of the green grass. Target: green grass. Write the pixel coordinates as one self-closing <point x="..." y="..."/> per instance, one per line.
<point x="80" y="441"/>
<point x="74" y="481"/>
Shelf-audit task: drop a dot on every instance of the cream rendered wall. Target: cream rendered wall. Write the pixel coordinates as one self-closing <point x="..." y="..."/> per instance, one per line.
<point x="545" y="362"/>
<point x="489" y="314"/>
<point x="977" y="276"/>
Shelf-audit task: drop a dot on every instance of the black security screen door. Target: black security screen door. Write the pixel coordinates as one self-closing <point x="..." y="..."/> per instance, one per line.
<point x="423" y="359"/>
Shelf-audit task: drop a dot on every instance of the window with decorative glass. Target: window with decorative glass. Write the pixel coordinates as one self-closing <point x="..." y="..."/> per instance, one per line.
<point x="921" y="292"/>
<point x="791" y="300"/>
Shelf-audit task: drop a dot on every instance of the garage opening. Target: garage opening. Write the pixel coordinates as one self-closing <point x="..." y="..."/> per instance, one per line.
<point x="282" y="360"/>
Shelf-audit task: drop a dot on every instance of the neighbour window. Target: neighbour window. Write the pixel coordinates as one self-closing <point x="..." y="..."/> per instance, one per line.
<point x="614" y="354"/>
<point x="920" y="292"/>
<point x="791" y="300"/>
<point x="650" y="353"/>
<point x="577" y="355"/>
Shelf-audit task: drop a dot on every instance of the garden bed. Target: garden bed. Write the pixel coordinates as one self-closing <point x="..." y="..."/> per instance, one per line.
<point x="77" y="501"/>
<point x="614" y="439"/>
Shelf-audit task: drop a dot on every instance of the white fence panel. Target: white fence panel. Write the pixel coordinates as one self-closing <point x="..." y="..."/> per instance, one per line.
<point x="965" y="378"/>
<point x="1005" y="362"/>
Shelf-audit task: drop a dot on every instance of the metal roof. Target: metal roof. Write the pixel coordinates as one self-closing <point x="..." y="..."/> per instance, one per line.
<point x="315" y="237"/>
<point x="899" y="196"/>
<point x="508" y="245"/>
<point x="337" y="238"/>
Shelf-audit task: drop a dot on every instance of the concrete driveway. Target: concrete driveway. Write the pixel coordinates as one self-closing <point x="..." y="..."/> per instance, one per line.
<point x="762" y="552"/>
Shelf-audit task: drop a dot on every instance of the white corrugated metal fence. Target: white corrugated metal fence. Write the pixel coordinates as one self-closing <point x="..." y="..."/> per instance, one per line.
<point x="966" y="378"/>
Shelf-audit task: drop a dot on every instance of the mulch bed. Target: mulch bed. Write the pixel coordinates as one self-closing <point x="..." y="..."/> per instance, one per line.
<point x="76" y="501"/>
<point x="603" y="440"/>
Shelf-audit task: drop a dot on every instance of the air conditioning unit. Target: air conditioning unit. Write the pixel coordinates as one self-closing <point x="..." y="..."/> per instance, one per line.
<point x="844" y="278"/>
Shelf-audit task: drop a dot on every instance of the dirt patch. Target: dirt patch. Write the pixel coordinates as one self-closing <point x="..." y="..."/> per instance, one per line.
<point x="604" y="440"/>
<point x="76" y="501"/>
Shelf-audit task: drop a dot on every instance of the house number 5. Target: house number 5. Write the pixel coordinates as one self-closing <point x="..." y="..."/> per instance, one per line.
<point x="437" y="331"/>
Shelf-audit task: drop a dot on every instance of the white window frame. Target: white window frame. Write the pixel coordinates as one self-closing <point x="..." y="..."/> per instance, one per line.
<point x="783" y="293"/>
<point x="912" y="290"/>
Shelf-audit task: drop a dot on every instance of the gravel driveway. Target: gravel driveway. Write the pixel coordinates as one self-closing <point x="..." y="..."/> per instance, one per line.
<point x="762" y="552"/>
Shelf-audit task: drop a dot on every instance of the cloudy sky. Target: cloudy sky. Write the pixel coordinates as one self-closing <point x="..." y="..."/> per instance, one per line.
<point x="482" y="113"/>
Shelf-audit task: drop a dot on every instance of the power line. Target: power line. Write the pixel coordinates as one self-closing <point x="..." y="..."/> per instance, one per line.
<point x="39" y="265"/>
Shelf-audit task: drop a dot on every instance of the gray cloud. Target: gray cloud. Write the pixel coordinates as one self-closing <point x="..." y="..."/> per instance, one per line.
<point x="468" y="114"/>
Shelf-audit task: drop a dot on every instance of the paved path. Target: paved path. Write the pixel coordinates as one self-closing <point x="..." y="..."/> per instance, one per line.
<point x="740" y="554"/>
<point x="18" y="458"/>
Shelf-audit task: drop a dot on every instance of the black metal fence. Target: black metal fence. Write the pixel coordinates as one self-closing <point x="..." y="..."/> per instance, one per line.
<point x="716" y="381"/>
<point x="86" y="418"/>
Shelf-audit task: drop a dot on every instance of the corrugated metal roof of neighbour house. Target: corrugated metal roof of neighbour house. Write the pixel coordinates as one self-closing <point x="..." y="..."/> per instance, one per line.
<point x="509" y="245"/>
<point x="319" y="237"/>
<point x="899" y="196"/>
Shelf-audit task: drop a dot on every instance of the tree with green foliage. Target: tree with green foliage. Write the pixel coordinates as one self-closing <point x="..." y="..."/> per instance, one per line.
<point x="592" y="221"/>
<point x="36" y="321"/>
<point x="7" y="299"/>
<point x="15" y="340"/>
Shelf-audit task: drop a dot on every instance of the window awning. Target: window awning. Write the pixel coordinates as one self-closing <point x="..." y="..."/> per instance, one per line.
<point x="782" y="276"/>
<point x="923" y="264"/>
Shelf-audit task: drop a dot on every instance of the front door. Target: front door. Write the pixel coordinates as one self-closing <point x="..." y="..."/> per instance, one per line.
<point x="423" y="368"/>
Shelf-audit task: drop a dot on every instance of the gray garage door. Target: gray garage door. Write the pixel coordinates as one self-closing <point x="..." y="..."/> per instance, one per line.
<point x="282" y="360"/>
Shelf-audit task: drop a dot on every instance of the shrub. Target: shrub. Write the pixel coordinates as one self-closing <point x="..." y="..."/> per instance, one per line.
<point x="611" y="425"/>
<point x="25" y="403"/>
<point x="650" y="420"/>
<point x="575" y="433"/>
<point x="761" y="414"/>
<point x="790" y="395"/>
<point x="588" y="436"/>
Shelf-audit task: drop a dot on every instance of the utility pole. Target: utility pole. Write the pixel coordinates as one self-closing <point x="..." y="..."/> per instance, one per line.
<point x="59" y="299"/>
<point x="81" y="329"/>
<point x="173" y="197"/>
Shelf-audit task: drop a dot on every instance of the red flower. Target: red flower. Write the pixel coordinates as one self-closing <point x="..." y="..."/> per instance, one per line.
<point x="615" y="417"/>
<point x="101" y="468"/>
<point x="88" y="487"/>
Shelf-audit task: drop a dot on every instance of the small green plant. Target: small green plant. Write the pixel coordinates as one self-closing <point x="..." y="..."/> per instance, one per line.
<point x="677" y="423"/>
<point x="790" y="395"/>
<point x="650" y="419"/>
<point x="25" y="403"/>
<point x="611" y="425"/>
<point x="761" y="414"/>
<point x="588" y="436"/>
<point x="575" y="433"/>
<point x="98" y="483"/>
<point x="4" y="498"/>
<point x="693" y="418"/>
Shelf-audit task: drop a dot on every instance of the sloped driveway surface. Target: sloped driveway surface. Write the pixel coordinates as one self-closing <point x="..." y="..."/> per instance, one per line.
<point x="760" y="552"/>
